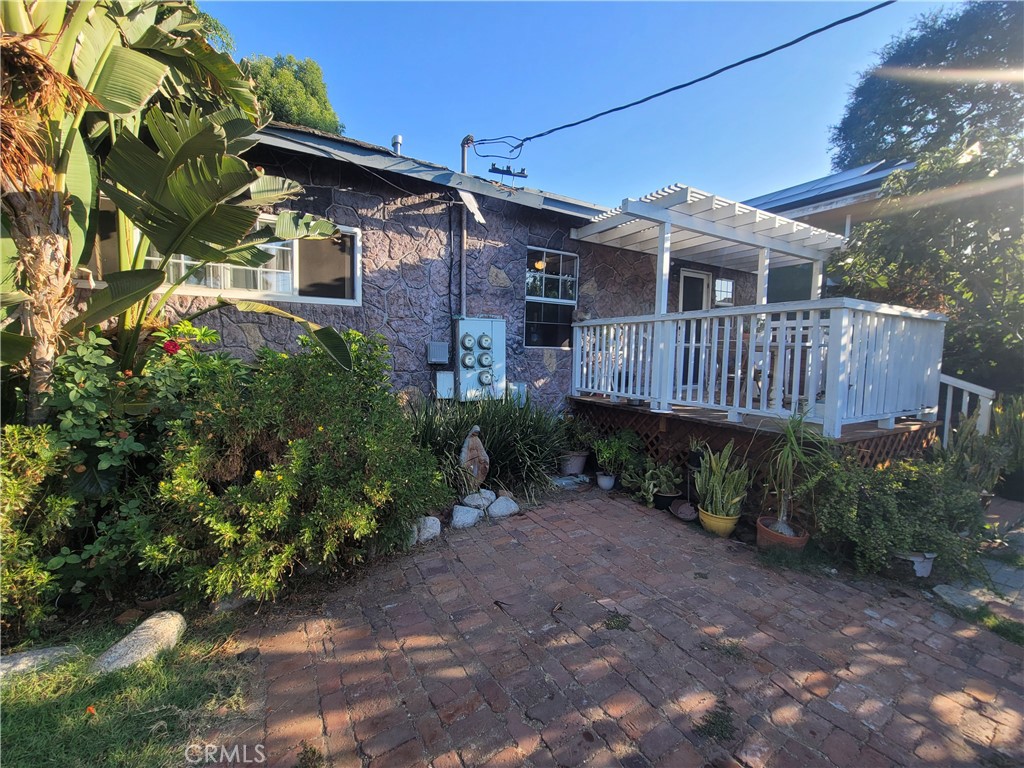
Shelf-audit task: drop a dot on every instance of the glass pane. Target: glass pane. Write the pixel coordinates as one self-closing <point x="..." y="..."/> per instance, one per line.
<point x="533" y="285"/>
<point x="551" y="288"/>
<point x="275" y="281"/>
<point x="569" y="289"/>
<point x="208" y="275"/>
<point x="533" y="311"/>
<point x="535" y="261"/>
<point x="242" y="278"/>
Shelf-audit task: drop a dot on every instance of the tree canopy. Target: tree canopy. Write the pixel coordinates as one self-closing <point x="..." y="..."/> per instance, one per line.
<point x="921" y="99"/>
<point x="294" y="91"/>
<point x="950" y="237"/>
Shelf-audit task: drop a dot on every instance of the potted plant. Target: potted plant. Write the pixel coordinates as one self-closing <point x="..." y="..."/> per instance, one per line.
<point x="721" y="487"/>
<point x="656" y="485"/>
<point x="794" y="467"/>
<point x="616" y="454"/>
<point x="578" y="435"/>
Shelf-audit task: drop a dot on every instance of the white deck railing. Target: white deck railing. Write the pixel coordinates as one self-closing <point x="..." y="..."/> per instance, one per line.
<point x="839" y="361"/>
<point x="963" y="399"/>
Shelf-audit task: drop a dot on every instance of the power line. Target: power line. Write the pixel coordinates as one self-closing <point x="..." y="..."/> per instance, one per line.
<point x="517" y="148"/>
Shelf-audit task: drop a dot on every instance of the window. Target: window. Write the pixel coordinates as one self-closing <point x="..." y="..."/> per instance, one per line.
<point x="723" y="292"/>
<point x="304" y="271"/>
<point x="551" y="278"/>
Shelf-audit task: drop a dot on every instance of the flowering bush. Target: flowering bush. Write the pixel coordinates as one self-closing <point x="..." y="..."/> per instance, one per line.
<point x="296" y="462"/>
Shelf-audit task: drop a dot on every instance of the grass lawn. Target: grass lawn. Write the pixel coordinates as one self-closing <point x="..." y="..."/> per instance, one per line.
<point x="139" y="717"/>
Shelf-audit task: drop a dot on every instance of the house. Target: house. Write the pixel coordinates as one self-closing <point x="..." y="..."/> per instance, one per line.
<point x="397" y="269"/>
<point x="653" y="316"/>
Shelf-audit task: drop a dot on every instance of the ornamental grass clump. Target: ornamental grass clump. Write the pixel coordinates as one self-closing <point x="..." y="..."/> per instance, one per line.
<point x="524" y="441"/>
<point x="296" y="462"/>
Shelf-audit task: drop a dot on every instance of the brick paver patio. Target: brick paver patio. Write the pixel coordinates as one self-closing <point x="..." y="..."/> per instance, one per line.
<point x="490" y="648"/>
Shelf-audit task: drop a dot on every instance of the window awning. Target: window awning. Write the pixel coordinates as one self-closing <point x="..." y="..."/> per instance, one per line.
<point x="708" y="229"/>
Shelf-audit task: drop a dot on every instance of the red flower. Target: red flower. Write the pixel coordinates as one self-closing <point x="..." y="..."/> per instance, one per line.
<point x="90" y="710"/>
<point x="171" y="347"/>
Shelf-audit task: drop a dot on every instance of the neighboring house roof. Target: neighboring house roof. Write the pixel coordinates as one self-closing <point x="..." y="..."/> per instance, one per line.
<point x="826" y="202"/>
<point x="708" y="229"/>
<point x="313" y="142"/>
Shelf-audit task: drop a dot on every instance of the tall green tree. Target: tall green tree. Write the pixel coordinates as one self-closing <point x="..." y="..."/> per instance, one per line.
<point x="294" y="91"/>
<point x="949" y="236"/>
<point x="952" y="77"/>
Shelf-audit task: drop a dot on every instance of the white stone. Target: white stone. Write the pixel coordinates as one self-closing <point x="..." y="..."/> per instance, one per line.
<point x="160" y="632"/>
<point x="502" y="507"/>
<point x="477" y="500"/>
<point x="466" y="517"/>
<point x="958" y="598"/>
<point x="30" y="661"/>
<point x="489" y="496"/>
<point x="429" y="528"/>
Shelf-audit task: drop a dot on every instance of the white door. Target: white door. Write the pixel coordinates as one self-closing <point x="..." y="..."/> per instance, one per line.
<point x="694" y="290"/>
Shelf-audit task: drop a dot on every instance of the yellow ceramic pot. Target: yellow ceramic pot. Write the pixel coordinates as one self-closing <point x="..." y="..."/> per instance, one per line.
<point x="717" y="524"/>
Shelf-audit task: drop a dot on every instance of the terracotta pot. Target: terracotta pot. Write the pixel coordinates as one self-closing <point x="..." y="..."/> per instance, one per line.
<point x="663" y="501"/>
<point x="769" y="539"/>
<point x="719" y="525"/>
<point x="605" y="482"/>
<point x="573" y="463"/>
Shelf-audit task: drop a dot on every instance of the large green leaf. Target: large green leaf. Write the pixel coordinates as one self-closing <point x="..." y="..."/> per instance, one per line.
<point x="124" y="289"/>
<point x="14" y="347"/>
<point x="127" y="80"/>
<point x="269" y="190"/>
<point x="329" y="339"/>
<point x="81" y="189"/>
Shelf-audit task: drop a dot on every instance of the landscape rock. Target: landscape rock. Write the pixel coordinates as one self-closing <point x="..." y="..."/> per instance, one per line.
<point x="40" y="658"/>
<point x="429" y="528"/>
<point x="489" y="496"/>
<point x="502" y="507"/>
<point x="249" y="655"/>
<point x="957" y="597"/>
<point x="230" y="603"/>
<point x="477" y="500"/>
<point x="160" y="632"/>
<point x="466" y="517"/>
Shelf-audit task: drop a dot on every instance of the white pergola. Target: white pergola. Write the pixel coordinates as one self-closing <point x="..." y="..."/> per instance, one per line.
<point x="686" y="223"/>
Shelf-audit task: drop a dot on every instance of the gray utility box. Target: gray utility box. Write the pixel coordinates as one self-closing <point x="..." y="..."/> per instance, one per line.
<point x="479" y="358"/>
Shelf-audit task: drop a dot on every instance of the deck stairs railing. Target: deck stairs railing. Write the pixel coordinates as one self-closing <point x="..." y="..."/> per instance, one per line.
<point x="839" y="361"/>
<point x="960" y="399"/>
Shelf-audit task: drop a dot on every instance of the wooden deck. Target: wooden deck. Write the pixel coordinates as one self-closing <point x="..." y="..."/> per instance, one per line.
<point x="667" y="435"/>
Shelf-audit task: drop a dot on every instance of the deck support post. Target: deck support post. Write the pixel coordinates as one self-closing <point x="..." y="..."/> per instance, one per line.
<point x="889" y="423"/>
<point x="817" y="279"/>
<point x="664" y="351"/>
<point x="764" y="257"/>
<point x="837" y="371"/>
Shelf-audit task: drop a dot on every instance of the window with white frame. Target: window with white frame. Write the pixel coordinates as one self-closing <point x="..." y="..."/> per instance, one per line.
<point x="305" y="271"/>
<point x="551" y="283"/>
<point x="724" y="292"/>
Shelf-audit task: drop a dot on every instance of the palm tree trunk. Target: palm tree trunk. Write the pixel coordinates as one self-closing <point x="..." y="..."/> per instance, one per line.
<point x="40" y="231"/>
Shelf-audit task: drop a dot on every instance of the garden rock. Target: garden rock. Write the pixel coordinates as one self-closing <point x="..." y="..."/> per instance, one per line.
<point x="230" y="603"/>
<point x="30" y="661"/>
<point x="429" y="528"/>
<point x="958" y="598"/>
<point x="502" y="507"/>
<point x="466" y="517"/>
<point x="160" y="632"/>
<point x="480" y="500"/>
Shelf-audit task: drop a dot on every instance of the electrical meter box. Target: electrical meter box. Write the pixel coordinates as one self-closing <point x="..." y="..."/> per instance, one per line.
<point x="479" y="358"/>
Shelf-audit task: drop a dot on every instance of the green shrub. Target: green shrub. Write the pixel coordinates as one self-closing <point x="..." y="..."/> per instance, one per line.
<point x="911" y="506"/>
<point x="294" y="462"/>
<point x="620" y="452"/>
<point x="33" y="519"/>
<point x="524" y="442"/>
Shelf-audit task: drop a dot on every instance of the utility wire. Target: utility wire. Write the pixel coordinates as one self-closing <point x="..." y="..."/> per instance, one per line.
<point x="518" y="147"/>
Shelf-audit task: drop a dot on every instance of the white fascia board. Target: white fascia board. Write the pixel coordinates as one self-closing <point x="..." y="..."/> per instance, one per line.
<point x="715" y="229"/>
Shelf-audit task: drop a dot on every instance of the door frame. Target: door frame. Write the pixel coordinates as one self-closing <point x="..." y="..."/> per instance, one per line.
<point x="705" y="276"/>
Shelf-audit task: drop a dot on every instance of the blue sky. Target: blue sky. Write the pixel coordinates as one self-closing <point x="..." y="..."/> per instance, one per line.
<point x="435" y="72"/>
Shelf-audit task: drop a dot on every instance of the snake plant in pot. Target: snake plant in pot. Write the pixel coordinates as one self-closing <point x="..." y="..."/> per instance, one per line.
<point x="721" y="482"/>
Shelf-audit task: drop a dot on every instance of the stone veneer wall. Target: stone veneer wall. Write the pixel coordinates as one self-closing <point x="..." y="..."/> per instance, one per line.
<point x="410" y="231"/>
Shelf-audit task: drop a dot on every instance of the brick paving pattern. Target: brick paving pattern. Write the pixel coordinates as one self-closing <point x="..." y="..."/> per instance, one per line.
<point x="490" y="648"/>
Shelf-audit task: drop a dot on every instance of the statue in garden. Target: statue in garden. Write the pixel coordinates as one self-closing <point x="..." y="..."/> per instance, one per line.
<point x="474" y="459"/>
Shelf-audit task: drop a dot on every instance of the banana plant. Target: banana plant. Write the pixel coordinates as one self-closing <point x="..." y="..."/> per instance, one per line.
<point x="77" y="80"/>
<point x="191" y="195"/>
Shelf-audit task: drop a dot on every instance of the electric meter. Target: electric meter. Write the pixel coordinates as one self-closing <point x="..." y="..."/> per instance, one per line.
<point x="468" y="360"/>
<point x="485" y="341"/>
<point x="486" y="378"/>
<point x="468" y="342"/>
<point x="485" y="360"/>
